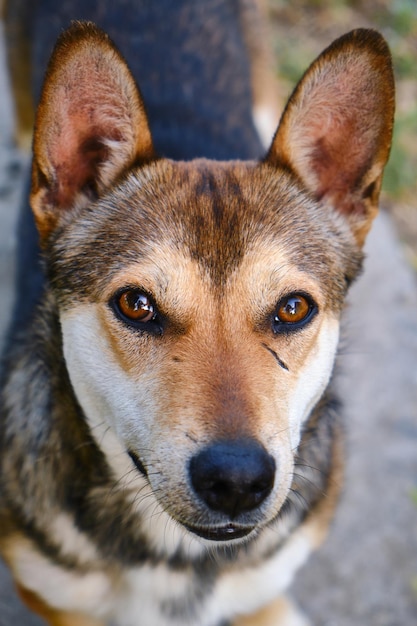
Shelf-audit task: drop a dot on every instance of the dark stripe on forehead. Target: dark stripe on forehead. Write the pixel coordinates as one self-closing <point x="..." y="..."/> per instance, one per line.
<point x="214" y="231"/>
<point x="210" y="212"/>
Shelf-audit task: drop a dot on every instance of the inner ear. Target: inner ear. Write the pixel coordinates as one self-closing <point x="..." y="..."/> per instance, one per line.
<point x="90" y="127"/>
<point x="79" y="163"/>
<point x="93" y="152"/>
<point x="335" y="133"/>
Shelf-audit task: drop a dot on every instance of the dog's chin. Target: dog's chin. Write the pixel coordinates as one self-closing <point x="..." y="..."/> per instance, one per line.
<point x="228" y="533"/>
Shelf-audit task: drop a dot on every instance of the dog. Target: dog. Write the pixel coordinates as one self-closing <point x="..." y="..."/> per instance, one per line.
<point x="171" y="447"/>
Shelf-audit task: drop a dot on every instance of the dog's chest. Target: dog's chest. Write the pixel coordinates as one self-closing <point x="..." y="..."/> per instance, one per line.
<point x="158" y="595"/>
<point x="197" y="592"/>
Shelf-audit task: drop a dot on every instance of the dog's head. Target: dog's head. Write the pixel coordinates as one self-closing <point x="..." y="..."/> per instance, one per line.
<point x="200" y="301"/>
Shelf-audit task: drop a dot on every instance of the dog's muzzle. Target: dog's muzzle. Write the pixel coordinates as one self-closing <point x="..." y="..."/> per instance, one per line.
<point x="231" y="478"/>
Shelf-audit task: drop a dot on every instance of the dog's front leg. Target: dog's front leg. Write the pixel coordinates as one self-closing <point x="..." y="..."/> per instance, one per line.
<point x="52" y="616"/>
<point x="281" y="612"/>
<point x="72" y="619"/>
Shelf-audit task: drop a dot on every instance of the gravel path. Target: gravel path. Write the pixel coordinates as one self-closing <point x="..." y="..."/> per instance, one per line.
<point x="366" y="574"/>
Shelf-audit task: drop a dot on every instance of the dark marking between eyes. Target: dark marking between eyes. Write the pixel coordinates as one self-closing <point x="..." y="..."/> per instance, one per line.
<point x="275" y="355"/>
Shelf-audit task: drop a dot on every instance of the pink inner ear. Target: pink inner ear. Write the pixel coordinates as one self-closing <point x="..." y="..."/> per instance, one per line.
<point x="77" y="159"/>
<point x="342" y="128"/>
<point x="87" y="116"/>
<point x="91" y="124"/>
<point x="339" y="160"/>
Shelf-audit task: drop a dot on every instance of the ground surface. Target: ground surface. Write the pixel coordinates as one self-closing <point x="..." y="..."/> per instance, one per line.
<point x="366" y="574"/>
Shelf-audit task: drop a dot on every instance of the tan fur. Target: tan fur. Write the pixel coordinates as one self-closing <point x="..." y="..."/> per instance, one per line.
<point x="232" y="357"/>
<point x="54" y="618"/>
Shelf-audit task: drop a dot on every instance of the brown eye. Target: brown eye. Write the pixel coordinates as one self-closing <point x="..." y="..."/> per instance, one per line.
<point x="295" y="309"/>
<point x="135" y="306"/>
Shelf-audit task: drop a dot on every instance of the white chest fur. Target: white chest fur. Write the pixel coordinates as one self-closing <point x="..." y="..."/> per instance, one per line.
<point x="239" y="590"/>
<point x="159" y="595"/>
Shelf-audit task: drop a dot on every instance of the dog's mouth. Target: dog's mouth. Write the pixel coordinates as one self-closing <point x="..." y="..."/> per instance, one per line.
<point x="220" y="533"/>
<point x="139" y="465"/>
<point x="228" y="532"/>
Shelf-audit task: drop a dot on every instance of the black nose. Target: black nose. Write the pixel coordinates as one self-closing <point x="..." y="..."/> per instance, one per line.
<point x="233" y="476"/>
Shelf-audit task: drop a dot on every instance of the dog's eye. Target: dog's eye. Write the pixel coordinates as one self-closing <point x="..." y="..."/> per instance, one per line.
<point x="293" y="311"/>
<point x="134" y="305"/>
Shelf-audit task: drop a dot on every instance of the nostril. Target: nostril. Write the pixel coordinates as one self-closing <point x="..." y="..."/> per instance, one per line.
<point x="233" y="476"/>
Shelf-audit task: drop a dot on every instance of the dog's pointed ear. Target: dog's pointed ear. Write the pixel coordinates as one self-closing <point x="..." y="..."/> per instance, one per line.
<point x="91" y="125"/>
<point x="335" y="133"/>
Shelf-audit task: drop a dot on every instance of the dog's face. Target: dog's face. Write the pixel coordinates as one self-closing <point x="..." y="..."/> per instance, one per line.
<point x="200" y="301"/>
<point x="207" y="319"/>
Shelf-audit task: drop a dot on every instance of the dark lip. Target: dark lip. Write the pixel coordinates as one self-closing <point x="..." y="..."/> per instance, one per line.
<point x="220" y="533"/>
<point x="139" y="465"/>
